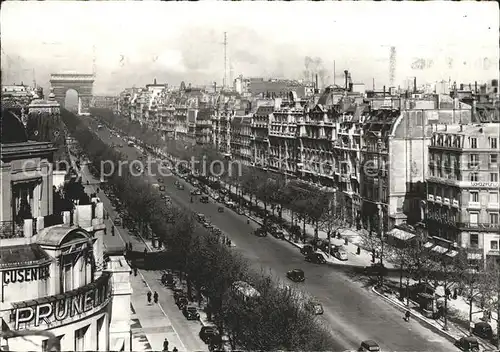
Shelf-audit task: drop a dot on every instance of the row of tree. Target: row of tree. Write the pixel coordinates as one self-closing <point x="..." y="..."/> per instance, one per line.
<point x="277" y="322"/>
<point x="307" y="204"/>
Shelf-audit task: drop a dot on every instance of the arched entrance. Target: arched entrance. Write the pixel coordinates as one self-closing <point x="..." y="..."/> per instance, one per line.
<point x="71" y="100"/>
<point x="81" y="83"/>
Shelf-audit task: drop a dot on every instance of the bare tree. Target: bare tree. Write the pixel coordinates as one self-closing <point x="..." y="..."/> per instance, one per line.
<point x="492" y="278"/>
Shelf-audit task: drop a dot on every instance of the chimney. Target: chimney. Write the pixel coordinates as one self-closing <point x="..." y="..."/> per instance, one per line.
<point x="461" y="86"/>
<point x="475" y="86"/>
<point x="215" y="87"/>
<point x="414" y="84"/>
<point x="155" y="81"/>
<point x="384" y="91"/>
<point x="346" y="73"/>
<point x="317" y="88"/>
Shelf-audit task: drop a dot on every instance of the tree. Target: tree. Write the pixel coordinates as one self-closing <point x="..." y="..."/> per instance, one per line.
<point x="492" y="299"/>
<point x="331" y="221"/>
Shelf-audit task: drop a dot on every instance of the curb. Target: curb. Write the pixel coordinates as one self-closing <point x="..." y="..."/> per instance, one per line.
<point x="423" y="321"/>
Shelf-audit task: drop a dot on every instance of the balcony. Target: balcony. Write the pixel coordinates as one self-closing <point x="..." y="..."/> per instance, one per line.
<point x="438" y="199"/>
<point x="455" y="203"/>
<point x="494" y="205"/>
<point x="430" y="197"/>
<point x="446" y="201"/>
<point x="485" y="226"/>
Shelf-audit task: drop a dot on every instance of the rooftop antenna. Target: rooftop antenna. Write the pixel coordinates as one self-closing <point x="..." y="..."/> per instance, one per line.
<point x="225" y="60"/>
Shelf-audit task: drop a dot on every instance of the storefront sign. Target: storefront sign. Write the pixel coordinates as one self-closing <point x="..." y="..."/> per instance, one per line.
<point x="485" y="184"/>
<point x="26" y="274"/>
<point x="60" y="307"/>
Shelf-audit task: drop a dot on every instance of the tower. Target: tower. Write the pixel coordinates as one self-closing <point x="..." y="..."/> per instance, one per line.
<point x="225" y="60"/>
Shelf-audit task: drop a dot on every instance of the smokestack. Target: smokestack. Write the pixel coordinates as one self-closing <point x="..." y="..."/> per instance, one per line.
<point x="346" y="73"/>
<point x="414" y="84"/>
<point x="384" y="91"/>
<point x="215" y="87"/>
<point x="475" y="86"/>
<point x="317" y="88"/>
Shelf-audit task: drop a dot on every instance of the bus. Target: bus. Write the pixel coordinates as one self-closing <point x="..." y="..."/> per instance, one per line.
<point x="245" y="291"/>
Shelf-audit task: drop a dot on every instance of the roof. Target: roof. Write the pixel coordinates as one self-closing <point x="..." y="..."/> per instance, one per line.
<point x="22" y="255"/>
<point x="12" y="129"/>
<point x="59" y="234"/>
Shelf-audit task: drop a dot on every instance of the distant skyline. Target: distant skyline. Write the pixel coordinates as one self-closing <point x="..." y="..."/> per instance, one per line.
<point x="135" y="42"/>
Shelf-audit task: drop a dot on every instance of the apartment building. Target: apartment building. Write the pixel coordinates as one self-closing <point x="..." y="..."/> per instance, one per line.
<point x="394" y="157"/>
<point x="241" y="138"/>
<point x="463" y="187"/>
<point x="203" y="126"/>
<point x="260" y="135"/>
<point x="283" y="142"/>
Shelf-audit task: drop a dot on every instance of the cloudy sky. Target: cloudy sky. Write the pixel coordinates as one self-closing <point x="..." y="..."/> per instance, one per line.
<point x="135" y="42"/>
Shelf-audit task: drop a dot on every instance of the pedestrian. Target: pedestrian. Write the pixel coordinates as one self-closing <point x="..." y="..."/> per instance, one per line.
<point x="248" y="221"/>
<point x="455" y="293"/>
<point x="346" y="241"/>
<point x="145" y="251"/>
<point x="149" y="297"/>
<point x="112" y="230"/>
<point x="97" y="191"/>
<point x="135" y="271"/>
<point x="130" y="246"/>
<point x="175" y="349"/>
<point x="447" y="293"/>
<point x="229" y="242"/>
<point x="358" y="251"/>
<point x="88" y="183"/>
<point x="155" y="297"/>
<point x="407" y="315"/>
<point x="165" y="344"/>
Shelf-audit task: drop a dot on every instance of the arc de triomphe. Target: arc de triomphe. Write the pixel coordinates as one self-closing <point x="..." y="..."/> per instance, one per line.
<point x="80" y="82"/>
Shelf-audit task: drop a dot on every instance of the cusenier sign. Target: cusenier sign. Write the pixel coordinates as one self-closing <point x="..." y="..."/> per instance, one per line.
<point x="20" y="275"/>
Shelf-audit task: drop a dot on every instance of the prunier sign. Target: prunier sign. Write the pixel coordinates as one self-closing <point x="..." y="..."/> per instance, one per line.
<point x="60" y="307"/>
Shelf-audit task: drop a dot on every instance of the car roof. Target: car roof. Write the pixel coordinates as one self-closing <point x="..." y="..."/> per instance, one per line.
<point x="298" y="271"/>
<point x="370" y="343"/>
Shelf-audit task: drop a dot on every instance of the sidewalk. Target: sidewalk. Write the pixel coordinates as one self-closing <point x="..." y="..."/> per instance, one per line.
<point x="453" y="331"/>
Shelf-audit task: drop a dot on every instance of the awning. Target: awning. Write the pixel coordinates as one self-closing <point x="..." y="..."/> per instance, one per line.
<point x="401" y="234"/>
<point x="452" y="253"/>
<point x="474" y="256"/>
<point x="428" y="245"/>
<point x="494" y="253"/>
<point x="439" y="249"/>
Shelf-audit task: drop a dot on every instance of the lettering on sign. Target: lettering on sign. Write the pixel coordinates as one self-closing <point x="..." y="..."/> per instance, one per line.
<point x="485" y="184"/>
<point x="26" y="275"/>
<point x="60" y="307"/>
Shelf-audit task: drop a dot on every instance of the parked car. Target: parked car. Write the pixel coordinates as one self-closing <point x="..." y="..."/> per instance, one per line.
<point x="483" y="329"/>
<point x="314" y="307"/>
<point x="195" y="192"/>
<point x="191" y="313"/>
<point x="162" y="188"/>
<point x="208" y="334"/>
<point x="296" y="275"/>
<point x="201" y="217"/>
<point x="163" y="196"/>
<point x="316" y="258"/>
<point x="468" y="343"/>
<point x="278" y="234"/>
<point x="178" y="292"/>
<point x="340" y="255"/>
<point x="117" y="222"/>
<point x="260" y="232"/>
<point x="182" y="301"/>
<point x="204" y="199"/>
<point x="376" y="269"/>
<point x="369" y="346"/>
<point x="307" y="249"/>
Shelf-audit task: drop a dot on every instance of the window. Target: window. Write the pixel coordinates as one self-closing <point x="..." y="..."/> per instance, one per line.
<point x="474" y="176"/>
<point x="474" y="240"/>
<point x="473" y="160"/>
<point x="474" y="196"/>
<point x="494" y="218"/>
<point x="493" y="197"/>
<point x="473" y="142"/>
<point x="493" y="177"/>
<point x="473" y="218"/>
<point x="80" y="338"/>
<point x="493" y="158"/>
<point x="493" y="143"/>
<point x="494" y="245"/>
